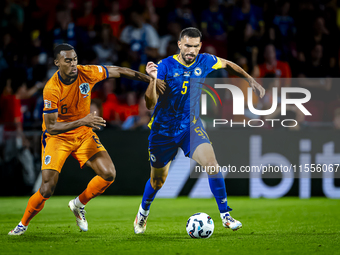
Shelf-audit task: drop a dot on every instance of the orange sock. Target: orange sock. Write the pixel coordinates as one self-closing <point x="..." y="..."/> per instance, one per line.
<point x="35" y="204"/>
<point x="95" y="187"/>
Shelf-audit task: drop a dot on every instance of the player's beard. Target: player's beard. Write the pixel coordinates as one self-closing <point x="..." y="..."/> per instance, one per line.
<point x="188" y="62"/>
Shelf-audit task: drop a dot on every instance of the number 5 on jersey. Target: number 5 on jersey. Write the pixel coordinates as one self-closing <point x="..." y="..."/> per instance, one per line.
<point x="185" y="87"/>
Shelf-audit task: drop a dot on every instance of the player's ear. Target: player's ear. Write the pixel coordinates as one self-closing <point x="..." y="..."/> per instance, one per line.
<point x="56" y="62"/>
<point x="179" y="44"/>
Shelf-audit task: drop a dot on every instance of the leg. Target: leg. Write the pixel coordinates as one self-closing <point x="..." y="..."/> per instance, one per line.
<point x="37" y="201"/>
<point x="197" y="145"/>
<point x="155" y="183"/>
<point x="93" y="154"/>
<point x="102" y="165"/>
<point x="161" y="155"/>
<point x="49" y="182"/>
<point x="204" y="154"/>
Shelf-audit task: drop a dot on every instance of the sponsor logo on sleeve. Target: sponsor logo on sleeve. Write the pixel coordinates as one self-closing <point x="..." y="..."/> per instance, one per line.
<point x="47" y="104"/>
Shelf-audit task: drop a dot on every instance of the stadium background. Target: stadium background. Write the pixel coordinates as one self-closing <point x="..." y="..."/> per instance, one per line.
<point x="281" y="39"/>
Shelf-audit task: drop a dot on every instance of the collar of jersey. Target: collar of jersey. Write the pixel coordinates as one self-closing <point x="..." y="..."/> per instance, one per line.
<point x="176" y="58"/>
<point x="63" y="81"/>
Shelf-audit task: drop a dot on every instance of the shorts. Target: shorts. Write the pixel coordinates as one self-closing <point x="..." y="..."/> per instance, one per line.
<point x="163" y="149"/>
<point x="56" y="149"/>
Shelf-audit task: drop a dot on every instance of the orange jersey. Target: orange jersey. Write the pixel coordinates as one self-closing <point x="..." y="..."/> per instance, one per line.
<point x="72" y="102"/>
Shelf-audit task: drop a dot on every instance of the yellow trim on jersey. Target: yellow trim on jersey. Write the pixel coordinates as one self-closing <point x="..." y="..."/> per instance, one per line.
<point x="151" y="121"/>
<point x="218" y="64"/>
<point x="176" y="57"/>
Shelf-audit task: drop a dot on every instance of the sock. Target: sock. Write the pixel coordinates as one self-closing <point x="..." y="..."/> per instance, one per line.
<point x="20" y="223"/>
<point x="95" y="187"/>
<point x="78" y="203"/>
<point x="148" y="196"/>
<point x="35" y="204"/>
<point x="142" y="211"/>
<point x="217" y="187"/>
<point x="222" y="215"/>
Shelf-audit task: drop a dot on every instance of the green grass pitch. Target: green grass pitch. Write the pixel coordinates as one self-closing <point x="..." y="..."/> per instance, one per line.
<point x="273" y="226"/>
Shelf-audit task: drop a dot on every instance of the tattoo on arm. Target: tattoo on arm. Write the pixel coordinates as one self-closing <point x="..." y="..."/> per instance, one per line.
<point x="134" y="75"/>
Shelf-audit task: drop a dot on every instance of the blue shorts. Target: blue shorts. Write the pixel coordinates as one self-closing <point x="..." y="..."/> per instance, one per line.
<point x="163" y="149"/>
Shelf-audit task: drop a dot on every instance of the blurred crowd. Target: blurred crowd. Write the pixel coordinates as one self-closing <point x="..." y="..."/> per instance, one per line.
<point x="270" y="39"/>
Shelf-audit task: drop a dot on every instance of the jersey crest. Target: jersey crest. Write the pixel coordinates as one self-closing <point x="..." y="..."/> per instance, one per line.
<point x="84" y="88"/>
<point x="198" y="71"/>
<point x="47" y="159"/>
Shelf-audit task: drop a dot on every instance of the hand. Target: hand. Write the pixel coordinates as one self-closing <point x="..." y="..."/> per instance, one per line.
<point x="151" y="69"/>
<point x="257" y="88"/>
<point x="93" y="121"/>
<point x="161" y="86"/>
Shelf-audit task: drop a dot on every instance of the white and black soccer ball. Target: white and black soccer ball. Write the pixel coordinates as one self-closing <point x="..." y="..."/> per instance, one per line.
<point x="200" y="225"/>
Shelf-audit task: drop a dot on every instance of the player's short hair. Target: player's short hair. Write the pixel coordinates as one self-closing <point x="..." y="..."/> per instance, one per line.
<point x="191" y="32"/>
<point x="61" y="47"/>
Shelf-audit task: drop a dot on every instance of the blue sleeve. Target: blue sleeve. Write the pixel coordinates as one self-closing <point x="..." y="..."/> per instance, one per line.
<point x="161" y="70"/>
<point x="212" y="62"/>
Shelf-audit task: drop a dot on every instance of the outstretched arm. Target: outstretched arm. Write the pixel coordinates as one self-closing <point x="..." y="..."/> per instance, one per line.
<point x="116" y="72"/>
<point x="238" y="71"/>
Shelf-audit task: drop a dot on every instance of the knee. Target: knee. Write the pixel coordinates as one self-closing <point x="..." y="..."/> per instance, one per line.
<point x="157" y="183"/>
<point x="211" y="166"/>
<point x="109" y="174"/>
<point x="47" y="189"/>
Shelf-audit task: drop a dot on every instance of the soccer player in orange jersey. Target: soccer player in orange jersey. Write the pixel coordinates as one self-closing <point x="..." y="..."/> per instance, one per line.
<point x="68" y="129"/>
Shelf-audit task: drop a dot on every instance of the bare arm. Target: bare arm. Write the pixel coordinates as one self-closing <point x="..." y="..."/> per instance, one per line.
<point x="116" y="72"/>
<point x="235" y="69"/>
<point x="54" y="127"/>
<point x="151" y="95"/>
<point x="238" y="71"/>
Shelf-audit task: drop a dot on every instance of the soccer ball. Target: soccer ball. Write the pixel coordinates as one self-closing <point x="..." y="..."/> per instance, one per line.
<point x="200" y="225"/>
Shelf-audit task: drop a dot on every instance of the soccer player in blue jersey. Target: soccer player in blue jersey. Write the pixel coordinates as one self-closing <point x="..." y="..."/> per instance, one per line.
<point x="175" y="122"/>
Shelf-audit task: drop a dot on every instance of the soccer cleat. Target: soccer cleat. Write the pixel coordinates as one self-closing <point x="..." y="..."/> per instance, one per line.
<point x="18" y="230"/>
<point x="140" y="223"/>
<point x="230" y="222"/>
<point x="79" y="212"/>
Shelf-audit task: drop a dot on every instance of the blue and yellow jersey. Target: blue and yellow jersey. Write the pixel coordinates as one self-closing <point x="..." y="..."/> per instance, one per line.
<point x="179" y="106"/>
